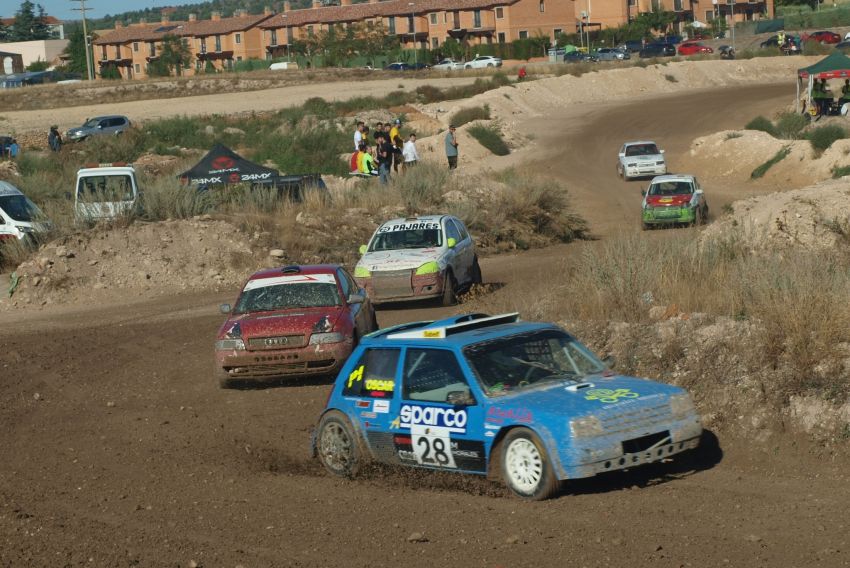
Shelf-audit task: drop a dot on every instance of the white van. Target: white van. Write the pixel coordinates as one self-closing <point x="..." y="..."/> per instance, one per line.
<point x="105" y="191"/>
<point x="19" y="217"/>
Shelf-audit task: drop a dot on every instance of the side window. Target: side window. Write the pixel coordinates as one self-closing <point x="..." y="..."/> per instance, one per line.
<point x="432" y="375"/>
<point x="374" y="374"/>
<point x="352" y="283"/>
<point x="343" y="283"/>
<point x="451" y="231"/>
<point x="461" y="229"/>
<point x="104" y="123"/>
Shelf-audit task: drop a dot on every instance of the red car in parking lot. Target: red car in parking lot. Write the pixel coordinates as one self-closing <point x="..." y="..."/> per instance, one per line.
<point x="693" y="48"/>
<point x="824" y="37"/>
<point x="295" y="320"/>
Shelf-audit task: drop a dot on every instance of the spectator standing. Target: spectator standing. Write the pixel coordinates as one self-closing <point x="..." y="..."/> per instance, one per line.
<point x="411" y="156"/>
<point x="54" y="139"/>
<point x="397" y="142"/>
<point x="451" y="147"/>
<point x="14" y="149"/>
<point x="385" y="157"/>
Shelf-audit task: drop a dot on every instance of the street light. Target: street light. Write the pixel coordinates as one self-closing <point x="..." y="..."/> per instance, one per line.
<point x="288" y="47"/>
<point x="413" y="33"/>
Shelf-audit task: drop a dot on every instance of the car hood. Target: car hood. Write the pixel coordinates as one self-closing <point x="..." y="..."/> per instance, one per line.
<point x="565" y="398"/>
<point x="646" y="158"/>
<point x="668" y="200"/>
<point x="282" y="322"/>
<point x="399" y="259"/>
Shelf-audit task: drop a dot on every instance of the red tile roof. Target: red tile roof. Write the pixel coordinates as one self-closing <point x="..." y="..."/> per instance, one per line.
<point x="223" y="26"/>
<point x="198" y="28"/>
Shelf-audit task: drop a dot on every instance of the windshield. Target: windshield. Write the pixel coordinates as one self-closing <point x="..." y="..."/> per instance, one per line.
<point x="105" y="188"/>
<point x="19" y="208"/>
<point x="642" y="150"/>
<point x="91" y="123"/>
<point x="282" y="296"/>
<point x="519" y="362"/>
<point x="417" y="235"/>
<point x="671" y="188"/>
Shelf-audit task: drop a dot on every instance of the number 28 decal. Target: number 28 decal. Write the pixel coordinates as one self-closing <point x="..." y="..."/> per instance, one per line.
<point x="432" y="446"/>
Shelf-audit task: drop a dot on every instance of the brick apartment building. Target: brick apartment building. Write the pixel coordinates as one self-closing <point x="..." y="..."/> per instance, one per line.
<point x="606" y="13"/>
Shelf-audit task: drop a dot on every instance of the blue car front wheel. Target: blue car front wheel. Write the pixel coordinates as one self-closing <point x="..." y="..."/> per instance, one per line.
<point x="526" y="467"/>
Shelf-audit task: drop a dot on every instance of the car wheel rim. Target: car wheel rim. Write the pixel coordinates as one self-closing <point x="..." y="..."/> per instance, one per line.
<point x="336" y="447"/>
<point x="524" y="465"/>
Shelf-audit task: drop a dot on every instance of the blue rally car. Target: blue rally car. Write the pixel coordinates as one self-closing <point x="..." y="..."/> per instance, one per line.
<point x="493" y="395"/>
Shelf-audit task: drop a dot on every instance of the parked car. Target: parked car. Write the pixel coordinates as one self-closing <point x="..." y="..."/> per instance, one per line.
<point x="611" y="54"/>
<point x="824" y="37"/>
<point x="482" y="61"/>
<point x="580" y="57"/>
<point x="632" y="46"/>
<point x="480" y="394"/>
<point x="657" y="50"/>
<point x="641" y="158"/>
<point x="843" y="45"/>
<point x="772" y="41"/>
<point x="105" y="191"/>
<point x="674" y="199"/>
<point x="292" y="321"/>
<point x="448" y="64"/>
<point x="693" y="48"/>
<point x="671" y="39"/>
<point x="98" y="126"/>
<point x="431" y="256"/>
<point x="20" y="218"/>
<point x="398" y="66"/>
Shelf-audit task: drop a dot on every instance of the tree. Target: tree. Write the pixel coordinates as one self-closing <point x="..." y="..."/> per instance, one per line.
<point x="371" y="40"/>
<point x="27" y="25"/>
<point x="174" y="56"/>
<point x="4" y="33"/>
<point x="657" y="19"/>
<point x="75" y="53"/>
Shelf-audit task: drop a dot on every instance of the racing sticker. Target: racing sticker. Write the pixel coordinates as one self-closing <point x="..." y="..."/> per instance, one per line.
<point x="467" y="455"/>
<point x="291" y="279"/>
<point x="432" y="446"/>
<point x="381" y="407"/>
<point x="453" y="420"/>
<point x="415" y="226"/>
<point x="609" y="396"/>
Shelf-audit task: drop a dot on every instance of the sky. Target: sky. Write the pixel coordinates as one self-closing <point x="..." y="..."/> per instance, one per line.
<point x="63" y="9"/>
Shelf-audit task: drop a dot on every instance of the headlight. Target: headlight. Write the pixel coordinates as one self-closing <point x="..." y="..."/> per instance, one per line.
<point x="322" y="338"/>
<point x="586" y="427"/>
<point x="428" y="268"/>
<point x="230" y="345"/>
<point x="681" y="405"/>
<point x="361" y="272"/>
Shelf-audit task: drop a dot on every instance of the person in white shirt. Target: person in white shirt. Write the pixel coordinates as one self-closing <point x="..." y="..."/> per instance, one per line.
<point x="411" y="156"/>
<point x="358" y="135"/>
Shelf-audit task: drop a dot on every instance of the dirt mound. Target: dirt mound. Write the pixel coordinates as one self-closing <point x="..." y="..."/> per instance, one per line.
<point x="736" y="153"/>
<point x="816" y="217"/>
<point x="142" y="260"/>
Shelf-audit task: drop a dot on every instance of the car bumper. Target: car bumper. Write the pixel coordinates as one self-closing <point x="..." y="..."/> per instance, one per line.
<point x="276" y="363"/>
<point x="662" y="215"/>
<point x="402" y="285"/>
<point x="607" y="453"/>
<point x="642" y="170"/>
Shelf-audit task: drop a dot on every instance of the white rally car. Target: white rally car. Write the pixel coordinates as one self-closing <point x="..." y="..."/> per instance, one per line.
<point x="430" y="256"/>
<point x="639" y="159"/>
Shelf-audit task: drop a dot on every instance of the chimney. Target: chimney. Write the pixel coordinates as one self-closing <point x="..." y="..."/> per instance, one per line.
<point x="215" y="16"/>
<point x="287" y="6"/>
<point x="317" y="3"/>
<point x="193" y="17"/>
<point x="345" y="2"/>
<point x="267" y="11"/>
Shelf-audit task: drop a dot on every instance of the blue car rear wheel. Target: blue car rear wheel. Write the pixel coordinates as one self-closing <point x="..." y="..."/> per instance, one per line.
<point x="337" y="445"/>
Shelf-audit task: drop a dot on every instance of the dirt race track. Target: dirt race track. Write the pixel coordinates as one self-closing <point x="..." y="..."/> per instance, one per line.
<point x="118" y="448"/>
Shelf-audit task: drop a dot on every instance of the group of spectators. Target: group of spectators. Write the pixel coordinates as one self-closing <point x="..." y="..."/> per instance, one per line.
<point x="822" y="97"/>
<point x="9" y="148"/>
<point x="383" y="150"/>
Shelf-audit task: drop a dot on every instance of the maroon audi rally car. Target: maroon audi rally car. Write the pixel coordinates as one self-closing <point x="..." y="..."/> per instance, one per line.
<point x="295" y="320"/>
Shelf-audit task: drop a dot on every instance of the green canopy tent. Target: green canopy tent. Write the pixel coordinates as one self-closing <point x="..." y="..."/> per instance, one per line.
<point x="836" y="65"/>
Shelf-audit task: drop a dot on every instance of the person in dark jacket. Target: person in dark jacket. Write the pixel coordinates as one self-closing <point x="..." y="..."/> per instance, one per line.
<point x="54" y="139"/>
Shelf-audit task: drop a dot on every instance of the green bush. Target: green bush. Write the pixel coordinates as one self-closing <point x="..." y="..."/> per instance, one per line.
<point x="761" y="123"/>
<point x="822" y="138"/>
<point x="789" y="125"/>
<point x="468" y="114"/>
<point x="840" y="171"/>
<point x="778" y="157"/>
<point x="490" y="138"/>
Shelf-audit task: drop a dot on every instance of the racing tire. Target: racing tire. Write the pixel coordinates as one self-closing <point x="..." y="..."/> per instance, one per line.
<point x="468" y="67"/>
<point x="489" y="65"/>
<point x="477" y="278"/>
<point x="526" y="467"/>
<point x="449" y="290"/>
<point x="645" y="226"/>
<point x="337" y="445"/>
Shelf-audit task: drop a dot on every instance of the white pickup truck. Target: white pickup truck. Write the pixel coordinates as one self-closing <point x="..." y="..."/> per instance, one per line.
<point x="105" y="191"/>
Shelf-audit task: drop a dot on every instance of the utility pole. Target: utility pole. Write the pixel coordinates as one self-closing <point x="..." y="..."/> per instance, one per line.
<point x="89" y="64"/>
<point x="413" y="32"/>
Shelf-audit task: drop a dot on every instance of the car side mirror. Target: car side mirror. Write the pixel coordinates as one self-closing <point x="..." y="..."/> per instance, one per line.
<point x="452" y="242"/>
<point x="699" y="192"/>
<point x="460" y="398"/>
<point x="662" y="151"/>
<point x="356" y="298"/>
<point x="363" y="249"/>
<point x="622" y="154"/>
<point x="610" y="361"/>
<point x="225" y="308"/>
<point x="643" y="192"/>
<point x="99" y="126"/>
